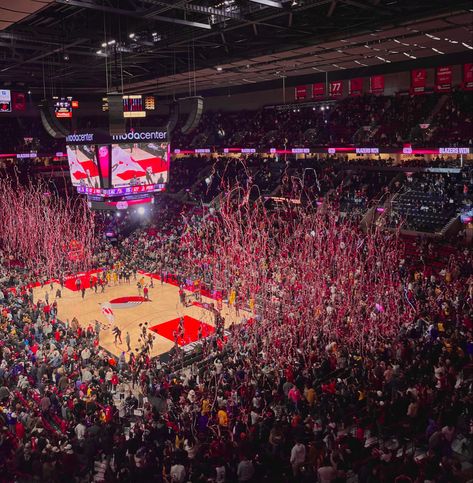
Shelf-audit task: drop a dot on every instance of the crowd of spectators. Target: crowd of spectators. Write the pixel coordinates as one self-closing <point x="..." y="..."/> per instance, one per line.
<point x="453" y="123"/>
<point x="354" y="184"/>
<point x="402" y="114"/>
<point x="387" y="121"/>
<point x="185" y="171"/>
<point x="428" y="201"/>
<point x="361" y="187"/>
<point x="401" y="411"/>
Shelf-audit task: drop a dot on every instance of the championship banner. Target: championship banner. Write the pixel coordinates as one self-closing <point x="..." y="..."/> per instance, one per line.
<point x="468" y="77"/>
<point x="335" y="89"/>
<point x="377" y="84"/>
<point x="355" y="86"/>
<point x="18" y="101"/>
<point x="418" y="81"/>
<point x="318" y="90"/>
<point x="300" y="92"/>
<point x="443" y="79"/>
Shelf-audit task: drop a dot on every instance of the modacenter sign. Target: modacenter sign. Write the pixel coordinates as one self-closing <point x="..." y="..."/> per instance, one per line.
<point x="80" y="138"/>
<point x="103" y="137"/>
<point x="141" y="136"/>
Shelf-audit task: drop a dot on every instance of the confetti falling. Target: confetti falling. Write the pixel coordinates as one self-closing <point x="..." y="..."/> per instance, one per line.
<point x="49" y="235"/>
<point x="310" y="277"/>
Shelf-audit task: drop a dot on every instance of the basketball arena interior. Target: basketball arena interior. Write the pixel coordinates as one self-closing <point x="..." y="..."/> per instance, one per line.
<point x="236" y="241"/>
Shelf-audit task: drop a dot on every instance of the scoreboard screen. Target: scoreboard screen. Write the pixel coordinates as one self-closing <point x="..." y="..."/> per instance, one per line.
<point x="63" y="107"/>
<point x="150" y="104"/>
<point x="5" y="100"/>
<point x="133" y="106"/>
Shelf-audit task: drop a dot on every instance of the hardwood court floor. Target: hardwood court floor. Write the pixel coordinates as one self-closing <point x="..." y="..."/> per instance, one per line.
<point x="161" y="312"/>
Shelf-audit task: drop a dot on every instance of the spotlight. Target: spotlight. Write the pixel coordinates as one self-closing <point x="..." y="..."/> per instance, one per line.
<point x="219" y="68"/>
<point x="322" y="108"/>
<point x="118" y="214"/>
<point x="104" y="44"/>
<point x="141" y="210"/>
<point x="112" y="42"/>
<point x="132" y="36"/>
<point x="99" y="52"/>
<point x="66" y="57"/>
<point x="29" y="92"/>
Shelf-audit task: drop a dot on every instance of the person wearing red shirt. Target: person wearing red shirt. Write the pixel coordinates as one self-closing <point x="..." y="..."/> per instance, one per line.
<point x="20" y="430"/>
<point x="114" y="381"/>
<point x="289" y="374"/>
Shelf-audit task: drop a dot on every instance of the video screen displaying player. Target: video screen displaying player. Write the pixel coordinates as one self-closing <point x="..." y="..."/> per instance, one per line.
<point x="139" y="164"/>
<point x="83" y="166"/>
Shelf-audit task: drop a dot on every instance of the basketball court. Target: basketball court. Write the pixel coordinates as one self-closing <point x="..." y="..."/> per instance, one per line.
<point x="121" y="305"/>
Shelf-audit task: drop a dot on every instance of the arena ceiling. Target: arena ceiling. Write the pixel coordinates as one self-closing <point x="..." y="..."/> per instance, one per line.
<point x="185" y="46"/>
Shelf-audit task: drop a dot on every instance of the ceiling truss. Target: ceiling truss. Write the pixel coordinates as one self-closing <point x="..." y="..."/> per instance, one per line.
<point x="165" y="42"/>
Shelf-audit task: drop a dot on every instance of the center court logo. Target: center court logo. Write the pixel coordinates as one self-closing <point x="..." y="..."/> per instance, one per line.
<point x="107" y="308"/>
<point x="126" y="302"/>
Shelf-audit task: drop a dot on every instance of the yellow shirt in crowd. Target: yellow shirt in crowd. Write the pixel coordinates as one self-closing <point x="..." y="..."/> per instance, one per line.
<point x="222" y="418"/>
